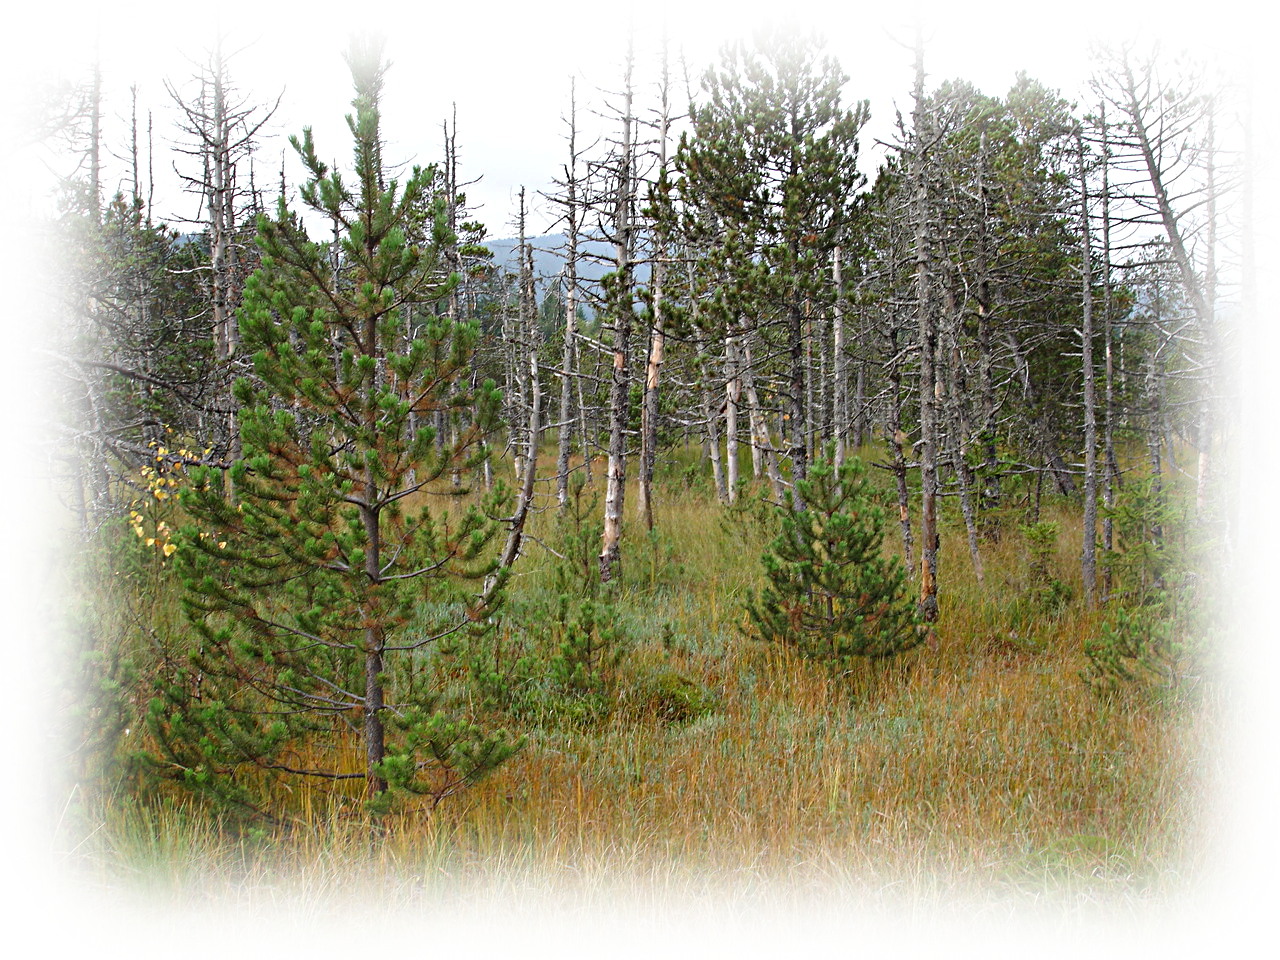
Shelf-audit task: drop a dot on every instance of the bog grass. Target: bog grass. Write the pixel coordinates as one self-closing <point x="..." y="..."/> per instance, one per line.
<point x="982" y="766"/>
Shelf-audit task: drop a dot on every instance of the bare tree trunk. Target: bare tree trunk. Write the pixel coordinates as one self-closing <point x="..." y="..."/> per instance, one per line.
<point x="958" y="430"/>
<point x="798" y="434"/>
<point x="1111" y="472"/>
<point x="1207" y="419"/>
<point x="732" y="400"/>
<point x="990" y="496"/>
<point x="859" y="406"/>
<point x="524" y="503"/>
<point x="927" y="337"/>
<point x="621" y="308"/>
<point x="584" y="424"/>
<point x="521" y="342"/>
<point x="1153" y="387"/>
<point x="649" y="412"/>
<point x="897" y="439"/>
<point x="840" y="394"/>
<point x="712" y="438"/>
<point x="657" y="336"/>
<point x="222" y="132"/>
<point x="568" y="360"/>
<point x="1139" y="123"/>
<point x="763" y="453"/>
<point x="1088" y="557"/>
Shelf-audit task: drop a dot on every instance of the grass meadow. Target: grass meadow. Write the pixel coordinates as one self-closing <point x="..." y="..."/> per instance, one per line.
<point x="980" y="769"/>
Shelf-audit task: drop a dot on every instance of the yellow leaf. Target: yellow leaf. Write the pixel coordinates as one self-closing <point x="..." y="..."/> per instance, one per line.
<point x="169" y="549"/>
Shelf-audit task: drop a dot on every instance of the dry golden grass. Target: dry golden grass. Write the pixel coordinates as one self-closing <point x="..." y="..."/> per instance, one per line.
<point x="984" y="767"/>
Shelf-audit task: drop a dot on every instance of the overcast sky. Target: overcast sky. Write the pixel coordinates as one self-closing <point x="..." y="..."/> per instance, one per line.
<point x="508" y="67"/>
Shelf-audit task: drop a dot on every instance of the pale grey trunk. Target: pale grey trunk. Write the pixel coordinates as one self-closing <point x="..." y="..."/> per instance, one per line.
<point x="1111" y="472"/>
<point x="927" y="332"/>
<point x="521" y="345"/>
<point x="622" y="307"/>
<point x="524" y="502"/>
<point x="897" y="439"/>
<point x="986" y="383"/>
<point x="568" y="359"/>
<point x="764" y="455"/>
<point x="712" y="439"/>
<point x="958" y="430"/>
<point x="859" y="406"/>
<point x="1088" y="557"/>
<point x="1139" y="124"/>
<point x="657" y="335"/>
<point x="1207" y="419"/>
<point x="798" y="434"/>
<point x="732" y="400"/>
<point x="840" y="394"/>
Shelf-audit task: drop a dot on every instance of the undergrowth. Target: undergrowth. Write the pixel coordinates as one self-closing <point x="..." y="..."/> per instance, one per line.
<point x="662" y="742"/>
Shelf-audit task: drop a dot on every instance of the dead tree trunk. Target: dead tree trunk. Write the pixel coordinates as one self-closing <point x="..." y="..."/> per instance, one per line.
<point x="1111" y="471"/>
<point x="621" y="307"/>
<point x="732" y="403"/>
<point x="568" y="359"/>
<point x="657" y="334"/>
<point x="840" y="394"/>
<point x="1088" y="557"/>
<point x="927" y="336"/>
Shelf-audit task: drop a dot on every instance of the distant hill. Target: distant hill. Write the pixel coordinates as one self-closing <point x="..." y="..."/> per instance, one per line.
<point x="549" y="258"/>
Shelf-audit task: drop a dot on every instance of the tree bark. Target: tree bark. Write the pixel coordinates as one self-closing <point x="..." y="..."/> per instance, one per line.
<point x="657" y="334"/>
<point x="840" y="395"/>
<point x="1088" y="557"/>
<point x="621" y="307"/>
<point x="927" y="335"/>
<point x="568" y="360"/>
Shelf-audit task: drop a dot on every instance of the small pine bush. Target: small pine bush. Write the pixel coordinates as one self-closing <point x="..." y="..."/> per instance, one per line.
<point x="1049" y="593"/>
<point x="1136" y="649"/>
<point x="831" y="593"/>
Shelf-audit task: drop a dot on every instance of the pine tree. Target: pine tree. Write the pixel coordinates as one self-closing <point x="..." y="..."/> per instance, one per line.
<point x="768" y="177"/>
<point x="305" y="593"/>
<point x="831" y="592"/>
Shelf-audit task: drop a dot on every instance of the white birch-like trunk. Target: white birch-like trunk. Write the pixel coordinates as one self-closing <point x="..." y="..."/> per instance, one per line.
<point x="1088" y="557"/>
<point x="621" y="307"/>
